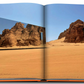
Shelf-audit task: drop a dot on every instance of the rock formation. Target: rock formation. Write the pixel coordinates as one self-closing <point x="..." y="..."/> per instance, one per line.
<point x="75" y="33"/>
<point x="20" y="36"/>
<point x="63" y="34"/>
<point x="0" y="35"/>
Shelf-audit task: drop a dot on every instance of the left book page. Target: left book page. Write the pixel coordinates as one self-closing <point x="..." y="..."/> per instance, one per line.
<point x="21" y="41"/>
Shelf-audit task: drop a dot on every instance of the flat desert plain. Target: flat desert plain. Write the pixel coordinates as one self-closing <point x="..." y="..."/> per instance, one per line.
<point x="27" y="63"/>
<point x="64" y="60"/>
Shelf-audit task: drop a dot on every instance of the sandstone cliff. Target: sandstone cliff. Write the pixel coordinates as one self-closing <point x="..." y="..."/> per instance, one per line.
<point x="20" y="36"/>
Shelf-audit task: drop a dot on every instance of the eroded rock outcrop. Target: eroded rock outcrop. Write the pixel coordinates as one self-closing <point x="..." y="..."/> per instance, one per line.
<point x="75" y="33"/>
<point x="63" y="34"/>
<point x="20" y="36"/>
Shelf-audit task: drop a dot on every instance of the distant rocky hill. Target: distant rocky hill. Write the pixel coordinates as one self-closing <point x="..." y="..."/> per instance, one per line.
<point x="75" y="33"/>
<point x="63" y="34"/>
<point x="20" y="36"/>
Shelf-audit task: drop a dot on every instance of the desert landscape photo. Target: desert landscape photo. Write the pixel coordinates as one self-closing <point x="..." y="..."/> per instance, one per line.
<point x="65" y="56"/>
<point x="65" y="42"/>
<point x="21" y="51"/>
<point x="21" y="41"/>
<point x="24" y="43"/>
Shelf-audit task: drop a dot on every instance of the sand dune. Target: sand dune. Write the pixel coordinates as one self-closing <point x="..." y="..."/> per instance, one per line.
<point x="64" y="60"/>
<point x="59" y="42"/>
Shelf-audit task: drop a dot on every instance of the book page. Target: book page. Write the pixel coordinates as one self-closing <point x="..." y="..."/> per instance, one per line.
<point x="21" y="41"/>
<point x="65" y="42"/>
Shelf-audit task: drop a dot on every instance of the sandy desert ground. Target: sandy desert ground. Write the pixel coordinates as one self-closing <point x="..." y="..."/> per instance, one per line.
<point x="63" y="61"/>
<point x="25" y="63"/>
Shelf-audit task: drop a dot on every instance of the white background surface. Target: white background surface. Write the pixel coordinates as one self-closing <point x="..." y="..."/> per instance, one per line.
<point x="43" y="2"/>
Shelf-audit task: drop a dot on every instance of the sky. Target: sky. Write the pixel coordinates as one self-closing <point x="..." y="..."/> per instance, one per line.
<point x="29" y="13"/>
<point x="59" y="17"/>
<point x="8" y="24"/>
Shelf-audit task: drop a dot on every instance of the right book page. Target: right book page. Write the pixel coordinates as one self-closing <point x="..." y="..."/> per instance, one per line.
<point x="65" y="41"/>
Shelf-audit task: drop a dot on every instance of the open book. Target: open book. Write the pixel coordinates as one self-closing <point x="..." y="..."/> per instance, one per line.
<point x="41" y="42"/>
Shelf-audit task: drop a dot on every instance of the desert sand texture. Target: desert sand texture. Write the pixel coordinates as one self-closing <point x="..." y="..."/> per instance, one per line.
<point x="64" y="60"/>
<point x="26" y="63"/>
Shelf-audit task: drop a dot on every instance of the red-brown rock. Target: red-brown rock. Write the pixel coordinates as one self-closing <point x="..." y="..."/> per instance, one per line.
<point x="75" y="33"/>
<point x="63" y="34"/>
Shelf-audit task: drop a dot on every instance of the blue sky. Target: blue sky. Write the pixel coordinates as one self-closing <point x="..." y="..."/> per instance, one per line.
<point x="60" y="16"/>
<point x="7" y="24"/>
<point x="29" y="13"/>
